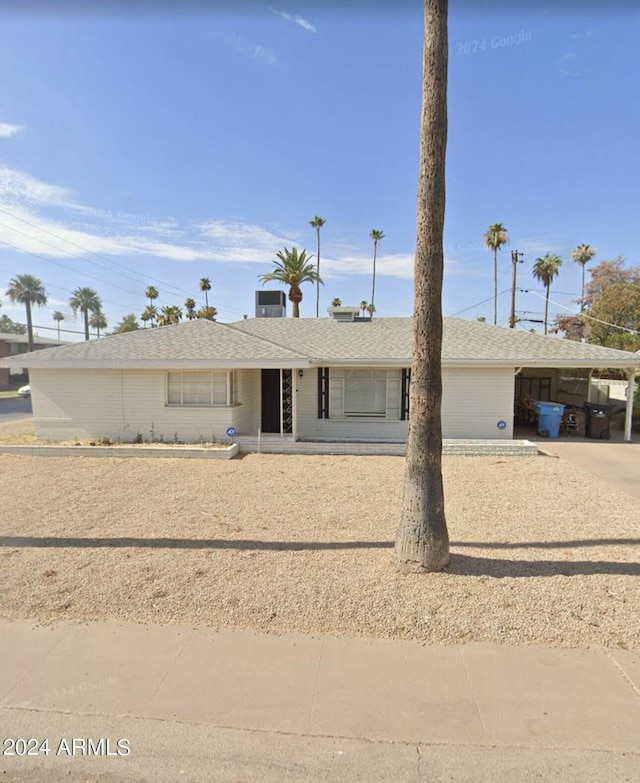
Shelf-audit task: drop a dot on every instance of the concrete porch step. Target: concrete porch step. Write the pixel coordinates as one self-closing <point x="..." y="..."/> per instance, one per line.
<point x="450" y="447"/>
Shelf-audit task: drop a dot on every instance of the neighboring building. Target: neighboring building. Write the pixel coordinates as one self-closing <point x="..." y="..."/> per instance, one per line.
<point x="14" y="344"/>
<point x="301" y="378"/>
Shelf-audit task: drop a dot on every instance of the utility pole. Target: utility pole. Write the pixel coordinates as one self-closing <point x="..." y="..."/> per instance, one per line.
<point x="514" y="262"/>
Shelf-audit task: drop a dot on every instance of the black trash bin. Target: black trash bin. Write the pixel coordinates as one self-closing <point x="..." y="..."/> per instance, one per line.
<point x="597" y="419"/>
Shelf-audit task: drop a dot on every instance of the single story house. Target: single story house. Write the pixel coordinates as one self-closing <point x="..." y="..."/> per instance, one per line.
<point x="335" y="378"/>
<point x="13" y="344"/>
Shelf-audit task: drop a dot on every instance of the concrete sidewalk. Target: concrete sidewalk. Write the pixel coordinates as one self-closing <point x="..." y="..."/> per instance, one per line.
<point x="207" y="705"/>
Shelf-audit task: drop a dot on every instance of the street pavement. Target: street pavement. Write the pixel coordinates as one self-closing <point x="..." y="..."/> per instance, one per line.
<point x="175" y="703"/>
<point x="14" y="409"/>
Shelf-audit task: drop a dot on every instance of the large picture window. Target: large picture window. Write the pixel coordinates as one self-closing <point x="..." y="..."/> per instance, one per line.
<point x="204" y="389"/>
<point x="364" y="394"/>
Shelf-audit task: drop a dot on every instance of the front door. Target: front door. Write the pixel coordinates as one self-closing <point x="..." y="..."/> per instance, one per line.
<point x="271" y="401"/>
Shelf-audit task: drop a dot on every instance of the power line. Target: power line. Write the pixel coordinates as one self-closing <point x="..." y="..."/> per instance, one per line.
<point x="85" y="250"/>
<point x="590" y="317"/>
<point x="484" y="301"/>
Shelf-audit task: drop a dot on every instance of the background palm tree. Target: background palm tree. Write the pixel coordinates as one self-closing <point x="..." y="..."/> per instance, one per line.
<point x="336" y="302"/>
<point x="494" y="238"/>
<point x="545" y="270"/>
<point x="376" y="235"/>
<point x="27" y="290"/>
<point x="371" y="310"/>
<point x="422" y="540"/>
<point x="293" y="269"/>
<point x="151" y="293"/>
<point x="190" y="309"/>
<point x="57" y="317"/>
<point x="97" y="321"/>
<point x="363" y="306"/>
<point x="582" y="255"/>
<point x="208" y="313"/>
<point x="205" y="285"/>
<point x="317" y="223"/>
<point x="170" y="314"/>
<point x="149" y="315"/>
<point x="87" y="301"/>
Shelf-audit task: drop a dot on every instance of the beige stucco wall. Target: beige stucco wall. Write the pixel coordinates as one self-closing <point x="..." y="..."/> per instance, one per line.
<point x="474" y="401"/>
<point x="120" y="404"/>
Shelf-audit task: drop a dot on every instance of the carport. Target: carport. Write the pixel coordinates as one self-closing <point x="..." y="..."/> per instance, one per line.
<point x="571" y="386"/>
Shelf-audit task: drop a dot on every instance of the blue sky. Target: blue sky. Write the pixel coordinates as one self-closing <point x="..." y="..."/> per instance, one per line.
<point x="190" y="141"/>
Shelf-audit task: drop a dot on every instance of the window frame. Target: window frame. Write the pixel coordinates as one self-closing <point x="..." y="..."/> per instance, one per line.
<point x="215" y="378"/>
<point x="338" y="394"/>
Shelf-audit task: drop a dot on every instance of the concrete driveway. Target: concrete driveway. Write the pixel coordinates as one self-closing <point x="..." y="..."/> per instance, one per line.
<point x="616" y="463"/>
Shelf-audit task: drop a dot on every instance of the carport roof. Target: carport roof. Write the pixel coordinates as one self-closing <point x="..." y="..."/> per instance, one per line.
<point x="299" y="342"/>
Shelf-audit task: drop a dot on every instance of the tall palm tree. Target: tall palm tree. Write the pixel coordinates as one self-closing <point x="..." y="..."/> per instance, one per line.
<point x="57" y="317"/>
<point x="190" y="308"/>
<point x="29" y="291"/>
<point x="363" y="306"/>
<point x="97" y="321"/>
<point x="151" y="293"/>
<point x="87" y="301"/>
<point x="582" y="255"/>
<point x="376" y="235"/>
<point x="149" y="315"/>
<point x="205" y="285"/>
<point x="170" y="314"/>
<point x="293" y="268"/>
<point x="494" y="239"/>
<point x="545" y="270"/>
<point x="317" y="223"/>
<point x="422" y="540"/>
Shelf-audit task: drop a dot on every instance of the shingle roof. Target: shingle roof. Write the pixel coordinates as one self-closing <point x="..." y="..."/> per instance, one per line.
<point x="389" y="339"/>
<point x="296" y="342"/>
<point x="186" y="344"/>
<point x="11" y="337"/>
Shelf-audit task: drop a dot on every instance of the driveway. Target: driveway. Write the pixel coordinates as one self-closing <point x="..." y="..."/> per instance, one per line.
<point x="14" y="409"/>
<point x="616" y="463"/>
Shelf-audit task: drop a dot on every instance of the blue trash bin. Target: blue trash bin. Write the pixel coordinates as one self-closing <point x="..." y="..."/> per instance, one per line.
<point x="549" y="418"/>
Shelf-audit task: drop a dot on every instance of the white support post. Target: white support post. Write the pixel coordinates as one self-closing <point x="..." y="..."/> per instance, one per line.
<point x="628" y="418"/>
<point x="294" y="405"/>
<point x="281" y="406"/>
<point x="589" y="385"/>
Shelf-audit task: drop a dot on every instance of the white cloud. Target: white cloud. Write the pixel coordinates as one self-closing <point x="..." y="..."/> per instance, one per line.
<point x="295" y="19"/>
<point x="568" y="56"/>
<point x="253" y="51"/>
<point x="7" y="130"/>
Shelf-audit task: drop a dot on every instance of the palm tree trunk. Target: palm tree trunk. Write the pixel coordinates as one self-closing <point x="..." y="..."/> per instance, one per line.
<point x="546" y="309"/>
<point x="422" y="540"/>
<point x="29" y="325"/>
<point x="373" y="284"/>
<point x="295" y="309"/>
<point x="582" y="293"/>
<point x="318" y="281"/>
<point x="495" y="286"/>
<point x="85" y="313"/>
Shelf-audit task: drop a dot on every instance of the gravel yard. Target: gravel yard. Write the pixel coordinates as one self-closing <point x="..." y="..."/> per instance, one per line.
<point x="540" y="551"/>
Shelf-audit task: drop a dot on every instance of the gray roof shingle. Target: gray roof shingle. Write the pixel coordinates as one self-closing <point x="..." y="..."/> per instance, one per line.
<point x="295" y="342"/>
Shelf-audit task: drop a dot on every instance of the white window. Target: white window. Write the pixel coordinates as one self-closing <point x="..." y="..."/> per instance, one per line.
<point x="202" y="388"/>
<point x="364" y="394"/>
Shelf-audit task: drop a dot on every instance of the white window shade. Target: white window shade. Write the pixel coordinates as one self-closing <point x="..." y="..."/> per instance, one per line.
<point x="364" y="393"/>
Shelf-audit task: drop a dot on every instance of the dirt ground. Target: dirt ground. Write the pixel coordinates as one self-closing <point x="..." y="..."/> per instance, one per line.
<point x="541" y="552"/>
